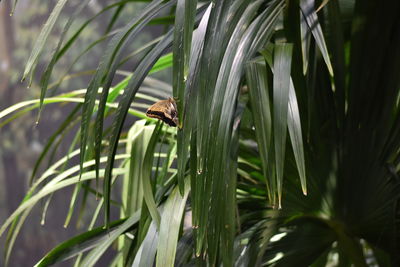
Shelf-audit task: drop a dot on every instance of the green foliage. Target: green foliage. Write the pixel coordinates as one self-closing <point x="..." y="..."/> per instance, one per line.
<point x="244" y="74"/>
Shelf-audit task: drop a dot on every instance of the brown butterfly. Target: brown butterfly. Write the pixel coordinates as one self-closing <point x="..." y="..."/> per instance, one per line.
<point x="164" y="110"/>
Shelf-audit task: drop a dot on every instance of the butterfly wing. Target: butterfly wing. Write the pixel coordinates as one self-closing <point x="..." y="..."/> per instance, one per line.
<point x="163" y="110"/>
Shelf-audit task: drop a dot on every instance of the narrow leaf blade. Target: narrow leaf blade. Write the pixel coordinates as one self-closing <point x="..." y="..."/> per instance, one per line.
<point x="170" y="225"/>
<point x="281" y="84"/>
<point x="296" y="137"/>
<point x="41" y="40"/>
<point x="307" y="8"/>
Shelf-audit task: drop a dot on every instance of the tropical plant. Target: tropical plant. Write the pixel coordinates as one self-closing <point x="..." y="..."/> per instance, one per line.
<point x="224" y="188"/>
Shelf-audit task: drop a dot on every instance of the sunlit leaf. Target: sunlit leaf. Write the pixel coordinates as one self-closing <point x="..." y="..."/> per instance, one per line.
<point x="94" y="255"/>
<point x="170" y="225"/>
<point x="308" y="11"/>
<point x="78" y="244"/>
<point x="146" y="176"/>
<point x="147" y="251"/>
<point x="281" y="87"/>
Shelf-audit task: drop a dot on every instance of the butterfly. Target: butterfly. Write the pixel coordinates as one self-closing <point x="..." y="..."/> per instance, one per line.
<point x="164" y="110"/>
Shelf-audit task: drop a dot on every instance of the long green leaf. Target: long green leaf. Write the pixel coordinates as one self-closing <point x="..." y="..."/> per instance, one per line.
<point x="224" y="104"/>
<point x="114" y="17"/>
<point x="256" y="74"/>
<point x="138" y="139"/>
<point x="281" y="86"/>
<point x="77" y="33"/>
<point x="61" y="99"/>
<point x="123" y="107"/>
<point x="308" y="10"/>
<point x="295" y="132"/>
<point x="296" y="137"/>
<point x="44" y="81"/>
<point x="305" y="32"/>
<point x="184" y="22"/>
<point x="68" y="122"/>
<point x="104" y="76"/>
<point x="170" y="225"/>
<point x="95" y="254"/>
<point x="244" y="41"/>
<point x="41" y="41"/>
<point x="19" y="220"/>
<point x="147" y="251"/>
<point x="146" y="176"/>
<point x="209" y="97"/>
<point x="183" y="28"/>
<point x="190" y="105"/>
<point x="115" y="51"/>
<point x="48" y="189"/>
<point x="191" y="98"/>
<point x="77" y="244"/>
<point x="72" y="204"/>
<point x="132" y="190"/>
<point x="75" y="36"/>
<point x="13" y="233"/>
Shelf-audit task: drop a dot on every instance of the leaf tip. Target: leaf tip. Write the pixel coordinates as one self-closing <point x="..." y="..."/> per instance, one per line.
<point x="304" y="189"/>
<point x="38" y="117"/>
<point x="330" y="69"/>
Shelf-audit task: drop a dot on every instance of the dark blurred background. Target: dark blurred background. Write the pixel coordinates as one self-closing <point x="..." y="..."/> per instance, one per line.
<point x="21" y="141"/>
